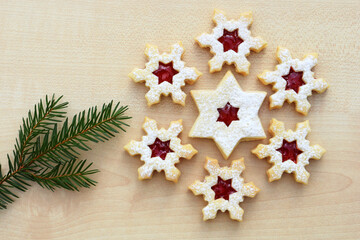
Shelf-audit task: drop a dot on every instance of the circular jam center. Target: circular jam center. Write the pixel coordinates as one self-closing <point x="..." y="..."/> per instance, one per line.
<point x="160" y="148"/>
<point x="227" y="114"/>
<point x="289" y="151"/>
<point x="165" y="72"/>
<point x="223" y="189"/>
<point x="293" y="80"/>
<point x="230" y="40"/>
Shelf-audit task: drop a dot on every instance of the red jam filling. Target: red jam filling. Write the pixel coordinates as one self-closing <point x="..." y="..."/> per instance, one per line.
<point x="293" y="80"/>
<point x="165" y="72"/>
<point x="289" y="151"/>
<point x="223" y="189"/>
<point x="160" y="148"/>
<point x="227" y="114"/>
<point x="230" y="40"/>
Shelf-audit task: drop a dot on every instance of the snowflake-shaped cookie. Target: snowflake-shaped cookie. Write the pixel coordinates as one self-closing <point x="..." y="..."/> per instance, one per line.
<point x="165" y="74"/>
<point x="230" y="42"/>
<point x="289" y="151"/>
<point x="160" y="150"/>
<point x="228" y="115"/>
<point x="224" y="189"/>
<point x="293" y="80"/>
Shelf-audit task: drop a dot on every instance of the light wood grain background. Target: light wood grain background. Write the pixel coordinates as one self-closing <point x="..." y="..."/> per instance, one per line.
<point x="84" y="51"/>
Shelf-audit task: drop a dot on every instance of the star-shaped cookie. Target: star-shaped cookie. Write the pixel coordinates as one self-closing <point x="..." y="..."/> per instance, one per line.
<point x="228" y="115"/>
<point x="165" y="74"/>
<point x="293" y="80"/>
<point x="230" y="42"/>
<point x="224" y="189"/>
<point x="289" y="151"/>
<point x="160" y="150"/>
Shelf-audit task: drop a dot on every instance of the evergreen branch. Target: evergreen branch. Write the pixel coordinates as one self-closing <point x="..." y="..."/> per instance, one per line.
<point x="90" y="126"/>
<point x="38" y="122"/>
<point x="49" y="156"/>
<point x="17" y="181"/>
<point x="45" y="114"/>
<point x="71" y="175"/>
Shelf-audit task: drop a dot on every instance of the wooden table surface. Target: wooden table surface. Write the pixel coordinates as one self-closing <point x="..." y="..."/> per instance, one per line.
<point x="84" y="51"/>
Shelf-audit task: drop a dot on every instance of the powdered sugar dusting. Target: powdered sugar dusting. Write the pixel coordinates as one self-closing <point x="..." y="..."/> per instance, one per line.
<point x="185" y="74"/>
<point x="248" y="127"/>
<point x="156" y="163"/>
<point x="231" y="205"/>
<point x="231" y="57"/>
<point x="279" y="83"/>
<point x="277" y="129"/>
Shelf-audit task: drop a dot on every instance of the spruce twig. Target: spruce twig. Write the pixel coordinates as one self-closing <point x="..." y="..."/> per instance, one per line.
<point x="70" y="175"/>
<point x="49" y="156"/>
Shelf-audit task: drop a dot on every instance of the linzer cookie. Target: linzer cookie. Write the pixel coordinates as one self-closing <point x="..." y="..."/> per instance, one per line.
<point x="228" y="115"/>
<point x="289" y="151"/>
<point x="230" y="42"/>
<point x="165" y="74"/>
<point x="160" y="150"/>
<point x="293" y="80"/>
<point x="224" y="189"/>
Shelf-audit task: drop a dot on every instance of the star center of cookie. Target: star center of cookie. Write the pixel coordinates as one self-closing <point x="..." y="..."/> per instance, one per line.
<point x="160" y="148"/>
<point x="227" y="114"/>
<point x="289" y="151"/>
<point x="223" y="189"/>
<point x="294" y="80"/>
<point x="230" y="40"/>
<point x="165" y="72"/>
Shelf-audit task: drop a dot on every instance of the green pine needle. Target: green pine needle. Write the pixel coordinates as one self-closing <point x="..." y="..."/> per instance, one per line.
<point x="48" y="146"/>
<point x="70" y="175"/>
